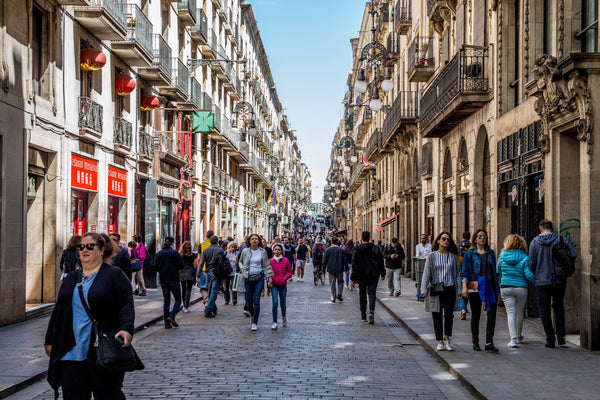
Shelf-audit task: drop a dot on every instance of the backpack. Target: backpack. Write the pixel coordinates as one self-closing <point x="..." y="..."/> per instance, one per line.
<point x="318" y="252"/>
<point x="222" y="267"/>
<point x="564" y="265"/>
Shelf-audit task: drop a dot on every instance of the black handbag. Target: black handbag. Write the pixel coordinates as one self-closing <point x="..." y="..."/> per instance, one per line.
<point x="436" y="289"/>
<point x="110" y="353"/>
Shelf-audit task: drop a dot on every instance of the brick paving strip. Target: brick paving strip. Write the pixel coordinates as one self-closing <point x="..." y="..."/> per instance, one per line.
<point x="23" y="361"/>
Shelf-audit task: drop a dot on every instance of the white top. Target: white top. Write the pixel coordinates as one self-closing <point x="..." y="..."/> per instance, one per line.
<point x="255" y="264"/>
<point x="423" y="251"/>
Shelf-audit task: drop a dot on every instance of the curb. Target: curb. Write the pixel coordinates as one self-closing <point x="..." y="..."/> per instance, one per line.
<point x="461" y="378"/>
<point x="42" y="375"/>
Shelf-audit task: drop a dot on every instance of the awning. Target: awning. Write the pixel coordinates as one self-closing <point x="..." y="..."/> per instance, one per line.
<point x="387" y="220"/>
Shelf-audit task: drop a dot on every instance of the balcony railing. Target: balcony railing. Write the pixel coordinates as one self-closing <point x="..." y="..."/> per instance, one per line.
<point x="217" y="112"/>
<point x="139" y="28"/>
<point x="146" y="145"/>
<point x="465" y="74"/>
<point x="421" y="63"/>
<point x="214" y="40"/>
<point x="195" y="93"/>
<point x="393" y="44"/>
<point x="404" y="108"/>
<point x="122" y="135"/>
<point x="402" y="16"/>
<point x="90" y="114"/>
<point x="200" y="30"/>
<point x="374" y="142"/>
<point x="161" y="54"/>
<point x="106" y="19"/>
<point x="205" y="101"/>
<point x="186" y="9"/>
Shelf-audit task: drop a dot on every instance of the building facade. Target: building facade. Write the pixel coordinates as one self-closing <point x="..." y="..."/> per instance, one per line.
<point x="120" y="116"/>
<point x="490" y="124"/>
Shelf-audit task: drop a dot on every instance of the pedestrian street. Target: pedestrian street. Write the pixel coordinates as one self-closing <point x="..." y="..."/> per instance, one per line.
<point x="324" y="352"/>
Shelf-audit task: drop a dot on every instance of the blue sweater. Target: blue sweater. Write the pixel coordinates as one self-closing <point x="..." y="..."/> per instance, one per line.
<point x="540" y="258"/>
<point x="512" y="269"/>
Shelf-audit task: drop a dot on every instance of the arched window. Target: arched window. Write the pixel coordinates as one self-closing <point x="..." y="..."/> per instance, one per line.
<point x="447" y="165"/>
<point x="463" y="158"/>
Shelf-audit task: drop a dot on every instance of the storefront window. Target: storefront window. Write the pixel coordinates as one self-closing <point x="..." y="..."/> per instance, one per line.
<point x="166" y="219"/>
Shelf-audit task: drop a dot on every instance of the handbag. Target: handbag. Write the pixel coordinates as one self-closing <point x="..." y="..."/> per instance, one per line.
<point x="110" y="353"/>
<point x="253" y="278"/>
<point x="136" y="262"/>
<point x="436" y="289"/>
<point x="472" y="285"/>
<point x="239" y="284"/>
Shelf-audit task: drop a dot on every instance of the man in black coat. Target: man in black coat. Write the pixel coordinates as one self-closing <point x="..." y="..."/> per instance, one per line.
<point x="336" y="262"/>
<point x="394" y="257"/>
<point x="367" y="267"/>
<point x="121" y="259"/>
<point x="168" y="263"/>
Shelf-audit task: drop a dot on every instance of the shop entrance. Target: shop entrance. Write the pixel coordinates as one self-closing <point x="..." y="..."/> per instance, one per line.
<point x="79" y="207"/>
<point x="113" y="214"/>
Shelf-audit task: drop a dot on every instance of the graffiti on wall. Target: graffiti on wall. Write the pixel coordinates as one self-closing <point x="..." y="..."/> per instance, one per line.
<point x="571" y="230"/>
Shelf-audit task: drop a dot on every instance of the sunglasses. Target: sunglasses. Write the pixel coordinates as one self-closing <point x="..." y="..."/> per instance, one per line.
<point x="89" y="246"/>
<point x="445" y="239"/>
<point x="481" y="237"/>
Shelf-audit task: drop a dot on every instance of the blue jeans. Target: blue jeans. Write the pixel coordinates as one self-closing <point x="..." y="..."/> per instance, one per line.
<point x="253" y="297"/>
<point x="393" y="279"/>
<point x="167" y="290"/>
<point x="213" y="285"/>
<point x="282" y="291"/>
<point x="348" y="275"/>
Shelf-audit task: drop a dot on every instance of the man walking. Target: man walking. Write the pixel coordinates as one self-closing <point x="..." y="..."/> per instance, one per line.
<point x="208" y="260"/>
<point x="367" y="267"/>
<point x="168" y="263"/>
<point x="334" y="259"/>
<point x="394" y="257"/>
<point x="550" y="286"/>
<point x="423" y="248"/>
<point x="290" y="253"/>
<point x="302" y="255"/>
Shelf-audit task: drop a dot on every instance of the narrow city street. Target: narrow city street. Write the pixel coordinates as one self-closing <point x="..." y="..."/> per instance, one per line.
<point x="324" y="352"/>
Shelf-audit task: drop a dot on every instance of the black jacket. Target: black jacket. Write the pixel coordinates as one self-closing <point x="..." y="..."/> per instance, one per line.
<point x="122" y="261"/>
<point x="209" y="257"/>
<point x="110" y="302"/>
<point x="393" y="263"/>
<point x="367" y="263"/>
<point x="168" y="262"/>
<point x="335" y="260"/>
<point x="69" y="261"/>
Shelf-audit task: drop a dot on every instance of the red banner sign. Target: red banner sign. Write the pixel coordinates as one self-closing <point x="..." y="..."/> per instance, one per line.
<point x="117" y="182"/>
<point x="84" y="173"/>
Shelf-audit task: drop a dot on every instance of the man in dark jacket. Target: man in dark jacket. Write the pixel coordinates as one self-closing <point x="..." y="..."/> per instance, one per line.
<point x="550" y="289"/>
<point x="334" y="259"/>
<point x="121" y="259"/>
<point x="367" y="267"/>
<point x="168" y="263"/>
<point x="209" y="257"/>
<point x="394" y="258"/>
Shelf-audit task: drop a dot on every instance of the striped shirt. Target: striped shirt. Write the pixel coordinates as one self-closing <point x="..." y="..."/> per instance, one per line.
<point x="443" y="267"/>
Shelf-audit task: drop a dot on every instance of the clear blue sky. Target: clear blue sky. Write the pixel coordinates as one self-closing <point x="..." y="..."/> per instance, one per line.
<point x="308" y="47"/>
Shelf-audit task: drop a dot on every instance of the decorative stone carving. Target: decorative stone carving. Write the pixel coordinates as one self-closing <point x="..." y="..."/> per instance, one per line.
<point x="558" y="94"/>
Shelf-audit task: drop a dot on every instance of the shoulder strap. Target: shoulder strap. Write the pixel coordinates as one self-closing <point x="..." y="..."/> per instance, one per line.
<point x="83" y="302"/>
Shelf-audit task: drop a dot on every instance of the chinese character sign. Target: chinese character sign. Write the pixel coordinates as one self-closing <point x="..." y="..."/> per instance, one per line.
<point x="84" y="173"/>
<point x="117" y="182"/>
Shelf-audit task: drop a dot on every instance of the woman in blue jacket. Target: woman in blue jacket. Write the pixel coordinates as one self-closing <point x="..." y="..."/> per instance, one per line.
<point x="513" y="273"/>
<point x="479" y="271"/>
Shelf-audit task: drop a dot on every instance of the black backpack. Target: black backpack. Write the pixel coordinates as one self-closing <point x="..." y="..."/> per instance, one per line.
<point x="564" y="265"/>
<point x="222" y="267"/>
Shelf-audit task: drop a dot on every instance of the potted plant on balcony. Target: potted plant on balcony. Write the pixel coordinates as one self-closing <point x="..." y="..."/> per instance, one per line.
<point x="131" y="22"/>
<point x="423" y="55"/>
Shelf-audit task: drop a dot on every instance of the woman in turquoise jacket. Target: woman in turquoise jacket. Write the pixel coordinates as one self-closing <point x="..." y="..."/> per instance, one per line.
<point x="479" y="265"/>
<point x="513" y="273"/>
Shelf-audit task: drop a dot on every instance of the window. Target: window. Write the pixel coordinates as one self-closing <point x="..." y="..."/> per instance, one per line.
<point x="548" y="26"/>
<point x="447" y="165"/>
<point x="589" y="16"/>
<point x="40" y="49"/>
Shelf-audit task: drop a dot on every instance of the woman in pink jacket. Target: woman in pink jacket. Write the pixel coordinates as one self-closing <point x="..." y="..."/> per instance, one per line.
<point x="282" y="271"/>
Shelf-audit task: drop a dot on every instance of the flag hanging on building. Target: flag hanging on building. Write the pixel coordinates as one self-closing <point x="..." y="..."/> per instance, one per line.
<point x="366" y="162"/>
<point x="274" y="198"/>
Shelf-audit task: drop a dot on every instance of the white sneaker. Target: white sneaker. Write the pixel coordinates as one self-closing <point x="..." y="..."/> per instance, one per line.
<point x="274" y="326"/>
<point x="186" y="309"/>
<point x="247" y="313"/>
<point x="440" y="346"/>
<point x="254" y="327"/>
<point x="298" y="280"/>
<point x="284" y="321"/>
<point x="513" y="343"/>
<point x="301" y="279"/>
<point x="448" y="344"/>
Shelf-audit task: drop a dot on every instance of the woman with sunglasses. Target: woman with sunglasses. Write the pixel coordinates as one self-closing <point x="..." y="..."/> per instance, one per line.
<point x="479" y="277"/>
<point x="442" y="266"/>
<point x="107" y="292"/>
<point x="255" y="267"/>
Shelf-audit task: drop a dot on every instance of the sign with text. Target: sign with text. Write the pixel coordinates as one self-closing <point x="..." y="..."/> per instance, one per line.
<point x="117" y="182"/>
<point x="84" y="173"/>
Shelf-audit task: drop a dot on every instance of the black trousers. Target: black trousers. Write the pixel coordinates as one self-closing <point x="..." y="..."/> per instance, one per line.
<point x="367" y="289"/>
<point x="80" y="379"/>
<point x="555" y="295"/>
<point x="475" y="301"/>
<point x="186" y="291"/>
<point x="443" y="320"/>
<point x="229" y="293"/>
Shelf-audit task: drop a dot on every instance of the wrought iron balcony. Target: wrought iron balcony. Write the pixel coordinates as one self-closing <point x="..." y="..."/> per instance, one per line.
<point x="457" y="91"/>
<point x="159" y="73"/>
<point x="90" y="118"/>
<point x="199" y="31"/>
<point x="105" y="19"/>
<point x="178" y="88"/>
<point x="122" y="136"/>
<point x="186" y="11"/>
<point x="404" y="110"/>
<point x="146" y="149"/>
<point x="374" y="143"/>
<point x="217" y="112"/>
<point x="402" y="16"/>
<point x="393" y="46"/>
<point x="205" y="101"/>
<point x="136" y="50"/>
<point x="194" y="99"/>
<point x="73" y="2"/>
<point x="212" y="45"/>
<point x="421" y="64"/>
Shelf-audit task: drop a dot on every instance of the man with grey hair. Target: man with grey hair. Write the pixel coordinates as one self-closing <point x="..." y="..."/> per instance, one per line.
<point x="210" y="256"/>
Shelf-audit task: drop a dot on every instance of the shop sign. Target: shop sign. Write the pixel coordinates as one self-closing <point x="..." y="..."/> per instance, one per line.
<point x="169" y="192"/>
<point x="84" y="173"/>
<point x="223" y="210"/>
<point x="203" y="203"/>
<point x="117" y="182"/>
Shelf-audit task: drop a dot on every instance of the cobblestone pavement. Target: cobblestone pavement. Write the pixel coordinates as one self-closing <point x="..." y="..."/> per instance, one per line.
<point x="325" y="352"/>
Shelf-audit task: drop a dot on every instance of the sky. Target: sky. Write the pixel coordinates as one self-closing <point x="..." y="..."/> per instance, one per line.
<point x="308" y="46"/>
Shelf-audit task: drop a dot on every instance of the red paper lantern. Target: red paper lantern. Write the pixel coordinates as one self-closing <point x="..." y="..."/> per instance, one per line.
<point x="149" y="103"/>
<point x="92" y="59"/>
<point x="124" y="84"/>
